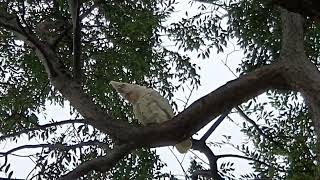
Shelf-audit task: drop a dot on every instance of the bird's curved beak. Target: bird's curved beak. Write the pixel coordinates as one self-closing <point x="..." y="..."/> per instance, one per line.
<point x="117" y="86"/>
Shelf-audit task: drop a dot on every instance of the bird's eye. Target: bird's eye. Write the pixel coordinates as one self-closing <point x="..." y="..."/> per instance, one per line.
<point x="127" y="95"/>
<point x="121" y="88"/>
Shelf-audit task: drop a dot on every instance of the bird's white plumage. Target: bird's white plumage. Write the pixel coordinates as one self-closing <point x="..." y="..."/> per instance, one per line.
<point x="149" y="107"/>
<point x="152" y="108"/>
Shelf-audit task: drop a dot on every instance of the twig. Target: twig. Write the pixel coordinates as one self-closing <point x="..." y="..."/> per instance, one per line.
<point x="42" y="127"/>
<point x="214" y="126"/>
<point x="255" y="125"/>
<point x="200" y="158"/>
<point x="185" y="174"/>
<point x="242" y="157"/>
<point x="54" y="146"/>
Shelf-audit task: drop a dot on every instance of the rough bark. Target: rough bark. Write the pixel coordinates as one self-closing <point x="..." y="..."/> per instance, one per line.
<point x="300" y="73"/>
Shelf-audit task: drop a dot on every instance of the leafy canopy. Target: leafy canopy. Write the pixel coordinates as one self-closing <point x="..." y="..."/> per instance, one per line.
<point x="120" y="40"/>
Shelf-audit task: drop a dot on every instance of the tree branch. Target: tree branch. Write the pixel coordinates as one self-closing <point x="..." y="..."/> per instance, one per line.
<point x="74" y="6"/>
<point x="214" y="126"/>
<point x="184" y="125"/>
<point x="10" y="22"/>
<point x="54" y="146"/>
<point x="292" y="44"/>
<point x="51" y="146"/>
<point x="202" y="111"/>
<point x="242" y="157"/>
<point x="42" y="127"/>
<point x="247" y="158"/>
<point x="301" y="74"/>
<point x="69" y="88"/>
<point x="180" y="163"/>
<point x="202" y="147"/>
<point x="102" y="164"/>
<point x="255" y="125"/>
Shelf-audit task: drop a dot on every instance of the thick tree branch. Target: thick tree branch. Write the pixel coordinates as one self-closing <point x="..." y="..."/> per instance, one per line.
<point x="101" y="164"/>
<point x="301" y="74"/>
<point x="202" y="111"/>
<point x="183" y="125"/>
<point x="10" y="22"/>
<point x="292" y="44"/>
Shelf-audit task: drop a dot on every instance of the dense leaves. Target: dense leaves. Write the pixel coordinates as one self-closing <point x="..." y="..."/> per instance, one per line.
<point x="288" y="142"/>
<point x="120" y="40"/>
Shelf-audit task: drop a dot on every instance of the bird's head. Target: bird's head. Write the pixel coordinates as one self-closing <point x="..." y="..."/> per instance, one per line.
<point x="130" y="92"/>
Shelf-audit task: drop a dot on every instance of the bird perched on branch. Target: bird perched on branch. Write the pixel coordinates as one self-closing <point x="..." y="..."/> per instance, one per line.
<point x="149" y="107"/>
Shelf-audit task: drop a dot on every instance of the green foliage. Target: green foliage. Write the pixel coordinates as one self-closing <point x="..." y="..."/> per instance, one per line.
<point x="202" y="32"/>
<point x="141" y="164"/>
<point x="120" y="41"/>
<point x="257" y="27"/>
<point x="289" y="136"/>
<point x="285" y="121"/>
<point x="195" y="166"/>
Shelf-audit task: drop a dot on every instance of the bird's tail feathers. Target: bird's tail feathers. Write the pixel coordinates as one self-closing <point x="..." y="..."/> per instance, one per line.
<point x="184" y="146"/>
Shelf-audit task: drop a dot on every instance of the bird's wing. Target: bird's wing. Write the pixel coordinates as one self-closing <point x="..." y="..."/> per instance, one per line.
<point x="162" y="102"/>
<point x="152" y="108"/>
